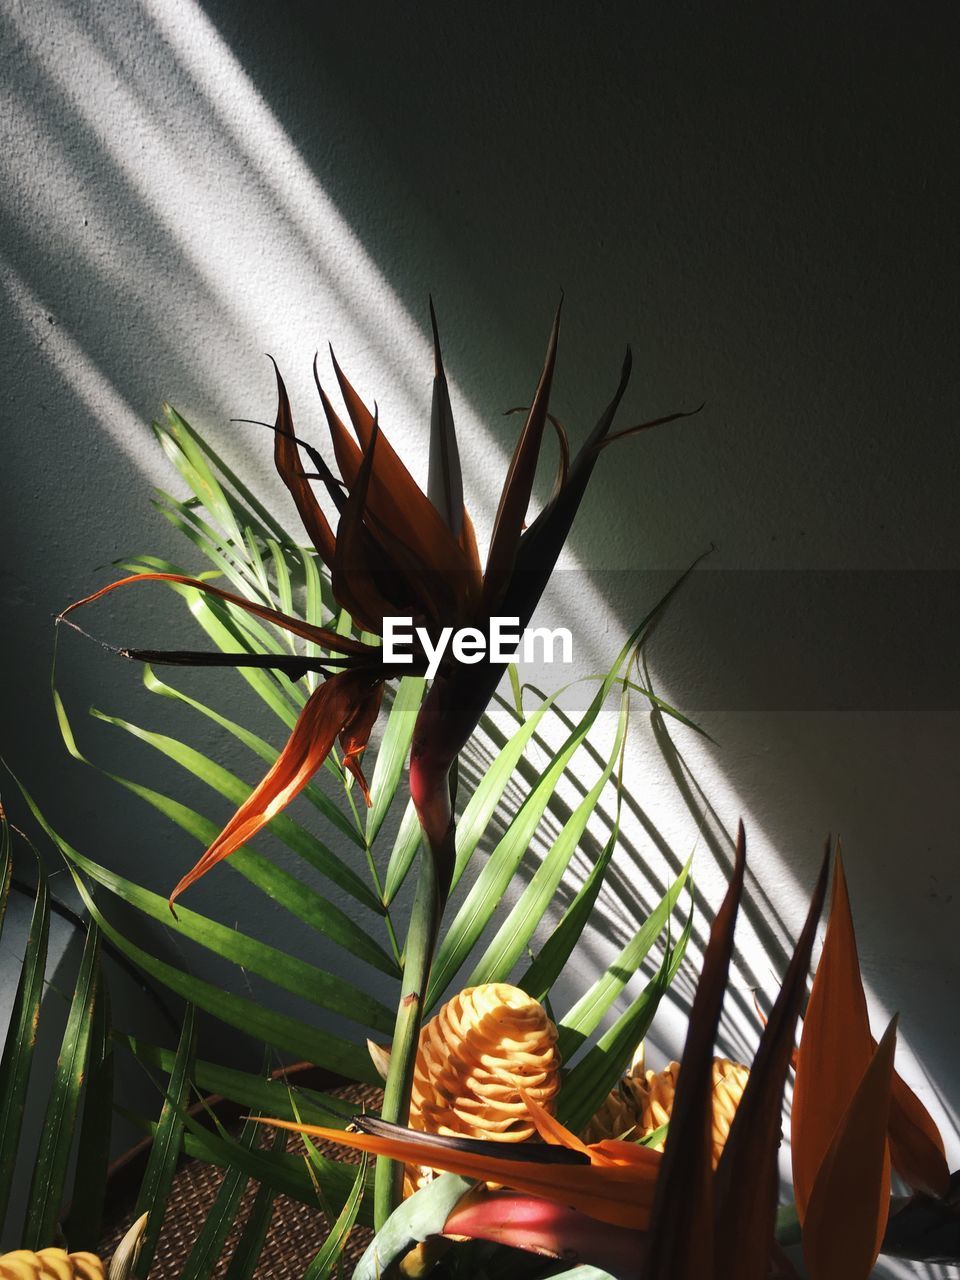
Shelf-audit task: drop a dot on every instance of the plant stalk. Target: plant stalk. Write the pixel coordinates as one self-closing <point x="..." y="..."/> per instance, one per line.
<point x="421" y="943"/>
<point x="433" y="755"/>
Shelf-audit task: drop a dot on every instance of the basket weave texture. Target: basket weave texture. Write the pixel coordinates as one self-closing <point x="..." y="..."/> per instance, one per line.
<point x="296" y="1230"/>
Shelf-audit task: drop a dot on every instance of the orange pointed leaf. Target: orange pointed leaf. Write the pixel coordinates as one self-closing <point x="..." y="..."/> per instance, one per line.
<point x="620" y="1194"/>
<point x="355" y="560"/>
<point x="835" y="1047"/>
<point x="850" y="1200"/>
<point x="396" y="501"/>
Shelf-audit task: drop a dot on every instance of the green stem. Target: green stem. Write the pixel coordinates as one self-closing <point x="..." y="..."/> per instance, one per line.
<point x="432" y="759"/>
<point x="421" y="942"/>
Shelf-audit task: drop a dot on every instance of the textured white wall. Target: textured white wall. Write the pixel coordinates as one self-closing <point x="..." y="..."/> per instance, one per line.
<point x="762" y="202"/>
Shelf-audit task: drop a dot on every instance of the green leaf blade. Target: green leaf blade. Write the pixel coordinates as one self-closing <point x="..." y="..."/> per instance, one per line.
<point x="599" y="1070"/>
<point x="291" y="1034"/>
<point x="21" y="1036"/>
<point x="219" y="1220"/>
<point x="289" y="972"/>
<point x="509" y="944"/>
<point x="56" y="1139"/>
<point x="582" y="1019"/>
<point x="322" y="1265"/>
<point x="228" y="785"/>
<point x="246" y="1256"/>
<point x="83" y="1225"/>
<point x="165" y="1151"/>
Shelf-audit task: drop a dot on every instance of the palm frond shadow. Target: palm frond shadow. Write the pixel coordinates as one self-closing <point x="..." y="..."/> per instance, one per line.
<point x="621" y="887"/>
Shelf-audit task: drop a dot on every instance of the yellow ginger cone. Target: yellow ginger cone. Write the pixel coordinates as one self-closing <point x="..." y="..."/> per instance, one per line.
<point x="57" y="1264"/>
<point x="641" y="1104"/>
<point x="50" y="1264"/>
<point x="620" y="1115"/>
<point x="474" y="1057"/>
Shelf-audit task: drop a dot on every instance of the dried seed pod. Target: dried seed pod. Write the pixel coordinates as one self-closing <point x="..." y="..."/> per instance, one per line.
<point x="484" y="1046"/>
<point x="642" y="1104"/>
<point x="50" y="1264"/>
<point x="128" y="1250"/>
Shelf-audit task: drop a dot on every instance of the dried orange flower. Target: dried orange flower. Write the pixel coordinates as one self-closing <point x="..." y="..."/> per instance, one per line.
<point x="642" y="1103"/>
<point x="484" y="1046"/>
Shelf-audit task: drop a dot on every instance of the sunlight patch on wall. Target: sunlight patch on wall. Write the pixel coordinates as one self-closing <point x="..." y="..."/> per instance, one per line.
<point x="116" y="417"/>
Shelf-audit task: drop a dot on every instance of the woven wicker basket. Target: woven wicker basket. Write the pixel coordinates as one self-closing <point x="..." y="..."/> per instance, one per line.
<point x="296" y="1230"/>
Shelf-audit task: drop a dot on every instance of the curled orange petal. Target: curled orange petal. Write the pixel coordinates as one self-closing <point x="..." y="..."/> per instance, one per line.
<point x="356" y="734"/>
<point x="319" y="635"/>
<point x="330" y="707"/>
<point x="550" y="1128"/>
<point x="286" y="457"/>
<point x="916" y="1147"/>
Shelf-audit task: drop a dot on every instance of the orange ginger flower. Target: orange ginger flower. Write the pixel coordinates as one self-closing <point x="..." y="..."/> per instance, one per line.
<point x="642" y="1103"/>
<point x="489" y="1050"/>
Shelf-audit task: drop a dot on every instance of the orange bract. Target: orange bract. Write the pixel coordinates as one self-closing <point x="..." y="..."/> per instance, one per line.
<point x="345" y="704"/>
<point x="851" y="1114"/>
<point x="846" y="1214"/>
<point x="480" y="1061"/>
<point x="835" y="1049"/>
<point x="606" y="1189"/>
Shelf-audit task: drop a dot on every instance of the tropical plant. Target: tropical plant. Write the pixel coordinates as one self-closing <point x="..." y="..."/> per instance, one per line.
<point x="299" y="625"/>
<point x="623" y="1206"/>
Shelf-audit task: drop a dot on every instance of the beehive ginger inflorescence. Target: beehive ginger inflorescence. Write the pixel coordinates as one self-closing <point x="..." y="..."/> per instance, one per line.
<point x="643" y="1101"/>
<point x="484" y="1050"/>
